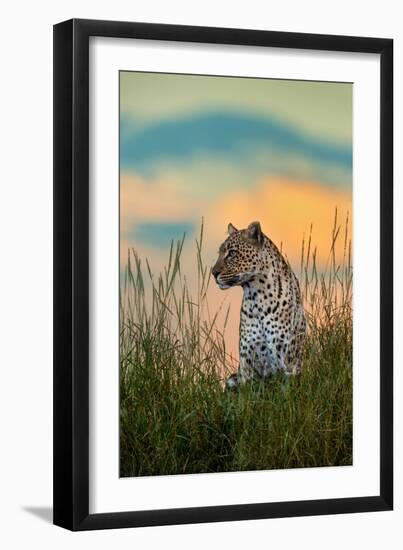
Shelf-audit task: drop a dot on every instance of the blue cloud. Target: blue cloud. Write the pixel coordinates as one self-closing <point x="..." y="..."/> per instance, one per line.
<point x="221" y="134"/>
<point x="160" y="234"/>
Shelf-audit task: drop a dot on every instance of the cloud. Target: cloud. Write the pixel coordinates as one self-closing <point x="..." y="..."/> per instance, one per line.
<point x="321" y="109"/>
<point x="153" y="213"/>
<point x="161" y="234"/>
<point x="222" y="134"/>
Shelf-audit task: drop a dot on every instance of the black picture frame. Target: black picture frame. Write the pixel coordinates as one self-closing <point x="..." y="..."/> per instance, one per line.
<point x="72" y="285"/>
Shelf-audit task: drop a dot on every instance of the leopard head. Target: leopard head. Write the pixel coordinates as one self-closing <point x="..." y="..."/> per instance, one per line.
<point x="239" y="256"/>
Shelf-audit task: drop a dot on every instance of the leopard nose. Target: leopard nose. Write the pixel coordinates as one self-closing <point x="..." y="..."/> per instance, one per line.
<point x="215" y="271"/>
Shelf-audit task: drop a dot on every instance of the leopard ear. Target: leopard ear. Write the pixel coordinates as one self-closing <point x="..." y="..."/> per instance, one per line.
<point x="255" y="234"/>
<point x="231" y="229"/>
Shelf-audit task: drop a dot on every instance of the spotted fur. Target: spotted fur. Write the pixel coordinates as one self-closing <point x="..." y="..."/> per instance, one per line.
<point x="272" y="326"/>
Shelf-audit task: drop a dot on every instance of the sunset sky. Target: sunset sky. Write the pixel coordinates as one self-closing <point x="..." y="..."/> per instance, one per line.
<point x="231" y="150"/>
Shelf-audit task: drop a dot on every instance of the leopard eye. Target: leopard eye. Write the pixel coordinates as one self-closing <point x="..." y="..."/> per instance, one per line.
<point x="230" y="254"/>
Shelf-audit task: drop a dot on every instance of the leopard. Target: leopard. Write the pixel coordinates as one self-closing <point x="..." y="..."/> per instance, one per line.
<point x="273" y="325"/>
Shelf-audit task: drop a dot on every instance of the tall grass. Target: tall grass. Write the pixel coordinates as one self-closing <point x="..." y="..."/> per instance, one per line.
<point x="176" y="417"/>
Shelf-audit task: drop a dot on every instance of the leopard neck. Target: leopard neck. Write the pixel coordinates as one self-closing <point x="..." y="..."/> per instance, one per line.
<point x="267" y="284"/>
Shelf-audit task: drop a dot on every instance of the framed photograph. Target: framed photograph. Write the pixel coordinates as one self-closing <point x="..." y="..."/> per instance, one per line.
<point x="223" y="321"/>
